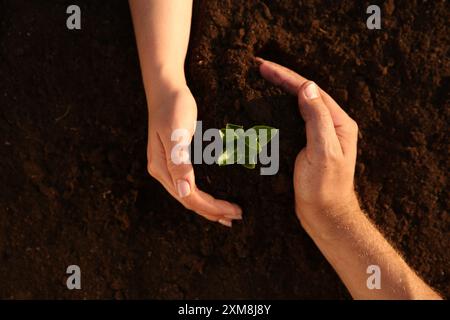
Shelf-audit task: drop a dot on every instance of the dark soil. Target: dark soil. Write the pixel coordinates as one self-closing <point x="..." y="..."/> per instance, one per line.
<point x="73" y="181"/>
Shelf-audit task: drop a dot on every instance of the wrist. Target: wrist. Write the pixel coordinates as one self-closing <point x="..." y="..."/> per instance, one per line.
<point x="164" y="78"/>
<point x="330" y="221"/>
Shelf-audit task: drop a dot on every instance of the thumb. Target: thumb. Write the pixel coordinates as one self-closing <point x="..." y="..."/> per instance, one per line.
<point x="178" y="162"/>
<point x="183" y="178"/>
<point x="320" y="132"/>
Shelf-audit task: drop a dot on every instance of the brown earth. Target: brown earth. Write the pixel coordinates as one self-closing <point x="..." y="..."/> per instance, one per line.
<point x="73" y="181"/>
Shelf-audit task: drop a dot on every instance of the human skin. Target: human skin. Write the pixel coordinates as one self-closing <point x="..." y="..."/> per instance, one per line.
<point x="162" y="30"/>
<point x="326" y="203"/>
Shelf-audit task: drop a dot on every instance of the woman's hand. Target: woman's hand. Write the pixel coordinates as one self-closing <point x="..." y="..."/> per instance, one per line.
<point x="173" y="107"/>
<point x="162" y="35"/>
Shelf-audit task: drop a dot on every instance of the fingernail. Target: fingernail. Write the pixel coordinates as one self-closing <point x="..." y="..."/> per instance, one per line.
<point x="259" y="60"/>
<point x="183" y="188"/>
<point x="237" y="215"/>
<point x="311" y="91"/>
<point x="226" y="223"/>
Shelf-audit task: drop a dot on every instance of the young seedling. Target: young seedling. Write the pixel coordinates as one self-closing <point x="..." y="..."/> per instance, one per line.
<point x="243" y="147"/>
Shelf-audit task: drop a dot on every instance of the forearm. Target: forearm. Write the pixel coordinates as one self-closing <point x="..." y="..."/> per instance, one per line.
<point x="162" y="30"/>
<point x="351" y="244"/>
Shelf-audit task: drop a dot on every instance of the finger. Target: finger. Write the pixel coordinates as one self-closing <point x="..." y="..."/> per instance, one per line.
<point x="292" y="81"/>
<point x="218" y="217"/>
<point x="178" y="163"/>
<point x="226" y="222"/>
<point x="204" y="203"/>
<point x="183" y="180"/>
<point x="280" y="76"/>
<point x="320" y="133"/>
<point x="346" y="128"/>
<point x="158" y="169"/>
<point x="164" y="178"/>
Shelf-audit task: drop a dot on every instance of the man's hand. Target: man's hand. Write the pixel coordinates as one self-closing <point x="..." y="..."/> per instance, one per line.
<point x="172" y="108"/>
<point x="324" y="169"/>
<point x="325" y="199"/>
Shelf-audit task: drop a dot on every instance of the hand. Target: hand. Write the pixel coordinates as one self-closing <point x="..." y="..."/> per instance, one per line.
<point x="326" y="202"/>
<point x="173" y="107"/>
<point x="324" y="169"/>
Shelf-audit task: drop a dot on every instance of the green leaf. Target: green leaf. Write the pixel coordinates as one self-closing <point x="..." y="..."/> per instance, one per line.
<point x="223" y="134"/>
<point x="253" y="144"/>
<point x="268" y="133"/>
<point x="225" y="158"/>
<point x="249" y="165"/>
<point x="233" y="126"/>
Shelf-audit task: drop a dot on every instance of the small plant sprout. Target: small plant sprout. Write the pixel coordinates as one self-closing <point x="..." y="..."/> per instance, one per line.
<point x="243" y="147"/>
